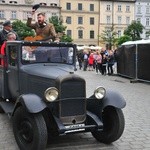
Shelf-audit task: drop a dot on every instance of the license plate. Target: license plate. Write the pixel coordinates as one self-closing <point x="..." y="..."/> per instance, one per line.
<point x="71" y="128"/>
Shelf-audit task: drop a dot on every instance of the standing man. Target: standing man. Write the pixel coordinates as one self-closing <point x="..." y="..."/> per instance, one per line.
<point x="7" y="27"/>
<point x="41" y="27"/>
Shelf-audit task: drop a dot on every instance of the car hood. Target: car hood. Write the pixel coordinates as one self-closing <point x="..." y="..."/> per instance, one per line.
<point x="51" y="71"/>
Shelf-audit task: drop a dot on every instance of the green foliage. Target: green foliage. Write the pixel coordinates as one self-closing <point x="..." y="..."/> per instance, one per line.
<point x="66" y="38"/>
<point x="22" y="29"/>
<point x="148" y="33"/>
<point x="134" y="30"/>
<point x="123" y="39"/>
<point x="109" y="37"/>
<point x="60" y="28"/>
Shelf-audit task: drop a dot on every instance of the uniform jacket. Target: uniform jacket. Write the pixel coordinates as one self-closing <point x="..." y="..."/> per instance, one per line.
<point x="3" y="34"/>
<point x="46" y="31"/>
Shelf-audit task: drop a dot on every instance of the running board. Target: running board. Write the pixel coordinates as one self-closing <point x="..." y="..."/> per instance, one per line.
<point x="7" y="107"/>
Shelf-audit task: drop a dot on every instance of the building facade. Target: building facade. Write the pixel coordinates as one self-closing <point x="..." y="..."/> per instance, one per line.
<point x="82" y="20"/>
<point x="19" y="9"/>
<point x="85" y="19"/>
<point x="142" y="14"/>
<point x="115" y="15"/>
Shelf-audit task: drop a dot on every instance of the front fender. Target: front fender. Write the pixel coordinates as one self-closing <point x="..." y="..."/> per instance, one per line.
<point x="111" y="99"/>
<point x="31" y="102"/>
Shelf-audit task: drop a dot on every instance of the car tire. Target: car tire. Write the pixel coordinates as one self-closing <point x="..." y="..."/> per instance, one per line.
<point x="30" y="130"/>
<point x="1" y="109"/>
<point x="114" y="123"/>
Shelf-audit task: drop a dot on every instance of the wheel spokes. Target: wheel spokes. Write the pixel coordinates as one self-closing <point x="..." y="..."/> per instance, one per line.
<point x="26" y="131"/>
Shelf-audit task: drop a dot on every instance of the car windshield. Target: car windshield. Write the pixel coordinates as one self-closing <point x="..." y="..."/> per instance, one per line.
<point x="47" y="54"/>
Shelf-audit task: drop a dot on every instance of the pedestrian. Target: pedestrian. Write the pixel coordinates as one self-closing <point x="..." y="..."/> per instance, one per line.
<point x="85" y="60"/>
<point x="104" y="61"/>
<point x="90" y="61"/>
<point x="98" y="62"/>
<point x="104" y="64"/>
<point x="9" y="37"/>
<point x="80" y="59"/>
<point x="42" y="28"/>
<point x="7" y="27"/>
<point x="110" y="60"/>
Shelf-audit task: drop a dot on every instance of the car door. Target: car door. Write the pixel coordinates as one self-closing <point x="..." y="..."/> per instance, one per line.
<point x="12" y="70"/>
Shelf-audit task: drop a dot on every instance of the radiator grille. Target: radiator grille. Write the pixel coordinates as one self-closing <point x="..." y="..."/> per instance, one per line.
<point x="73" y="93"/>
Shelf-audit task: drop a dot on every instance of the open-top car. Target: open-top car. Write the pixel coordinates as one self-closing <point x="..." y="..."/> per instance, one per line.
<point x="45" y="98"/>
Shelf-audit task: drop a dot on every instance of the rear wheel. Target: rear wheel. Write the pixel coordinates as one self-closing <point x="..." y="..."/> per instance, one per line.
<point x="1" y="109"/>
<point x="30" y="130"/>
<point x="113" y="121"/>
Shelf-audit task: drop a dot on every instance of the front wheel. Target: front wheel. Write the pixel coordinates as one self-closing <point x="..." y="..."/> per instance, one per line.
<point x="30" y="130"/>
<point x="113" y="121"/>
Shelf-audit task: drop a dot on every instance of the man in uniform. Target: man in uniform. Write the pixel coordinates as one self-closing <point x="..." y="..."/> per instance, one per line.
<point x="41" y="27"/>
<point x="7" y="27"/>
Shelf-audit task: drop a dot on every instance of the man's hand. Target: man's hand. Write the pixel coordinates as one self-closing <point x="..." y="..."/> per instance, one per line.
<point x="33" y="12"/>
<point x="57" y="40"/>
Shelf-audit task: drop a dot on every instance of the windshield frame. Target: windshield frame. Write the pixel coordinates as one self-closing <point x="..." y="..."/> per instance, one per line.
<point x="51" y="46"/>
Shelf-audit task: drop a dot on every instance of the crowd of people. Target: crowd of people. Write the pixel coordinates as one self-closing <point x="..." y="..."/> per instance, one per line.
<point x="101" y="61"/>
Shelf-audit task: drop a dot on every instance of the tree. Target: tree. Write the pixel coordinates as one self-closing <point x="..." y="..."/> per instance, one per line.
<point x="22" y="29"/>
<point x="147" y="33"/>
<point x="123" y="39"/>
<point x="134" y="30"/>
<point x="109" y="37"/>
<point x="60" y="29"/>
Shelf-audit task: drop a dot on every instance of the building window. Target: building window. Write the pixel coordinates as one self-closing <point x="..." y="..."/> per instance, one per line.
<point x="25" y="15"/>
<point x="91" y="20"/>
<point x="138" y="20"/>
<point x="147" y="10"/>
<point x="108" y="7"/>
<point x="119" y="33"/>
<point x="69" y="33"/>
<point x="139" y="10"/>
<point x="119" y="7"/>
<point x="127" y="8"/>
<point x="108" y="20"/>
<point x="91" y="34"/>
<point x="91" y="7"/>
<point x="13" y="15"/>
<point x="79" y="6"/>
<point x="2" y="14"/>
<point x="80" y="34"/>
<point x="68" y="20"/>
<point x="146" y="35"/>
<point x="80" y="20"/>
<point x="54" y="14"/>
<point x="127" y="20"/>
<point x="68" y="6"/>
<point x="119" y="19"/>
<point x="108" y="32"/>
<point x="147" y="21"/>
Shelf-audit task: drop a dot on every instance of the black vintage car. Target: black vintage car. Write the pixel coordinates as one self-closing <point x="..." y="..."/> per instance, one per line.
<point x="45" y="98"/>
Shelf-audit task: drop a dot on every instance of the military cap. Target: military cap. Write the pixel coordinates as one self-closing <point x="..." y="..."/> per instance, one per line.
<point x="7" y="23"/>
<point x="36" y="6"/>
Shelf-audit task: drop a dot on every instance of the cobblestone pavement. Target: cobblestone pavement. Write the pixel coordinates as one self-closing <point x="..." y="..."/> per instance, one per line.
<point x="137" y="116"/>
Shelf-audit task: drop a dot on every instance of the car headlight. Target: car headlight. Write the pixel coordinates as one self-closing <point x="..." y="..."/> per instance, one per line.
<point x="100" y="92"/>
<point x="51" y="94"/>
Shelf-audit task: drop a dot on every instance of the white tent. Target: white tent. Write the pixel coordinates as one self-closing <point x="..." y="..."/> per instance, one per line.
<point x="95" y="47"/>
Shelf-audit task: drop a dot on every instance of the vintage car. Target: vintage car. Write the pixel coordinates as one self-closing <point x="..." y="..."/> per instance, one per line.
<point x="41" y="93"/>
